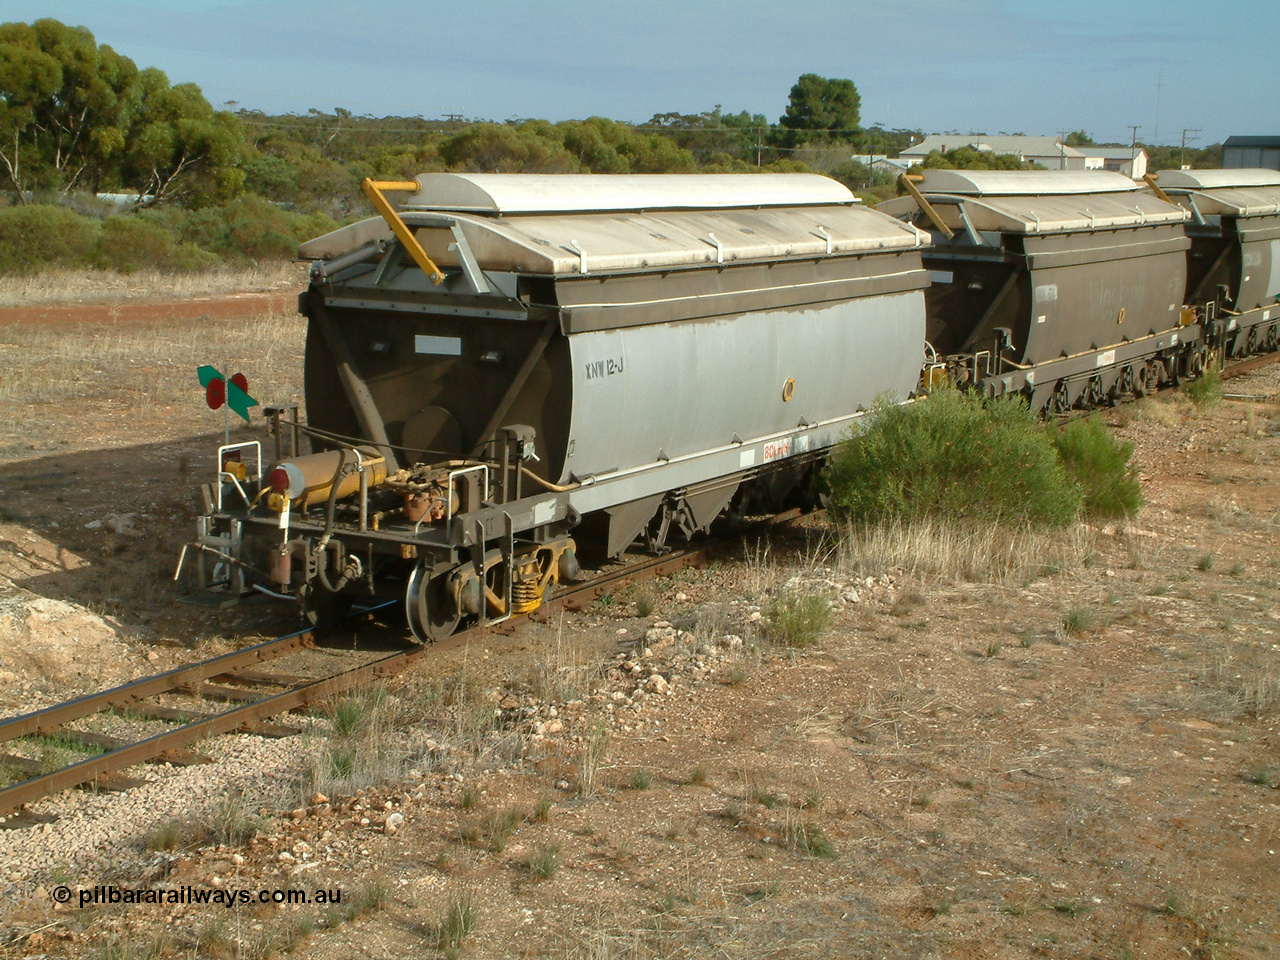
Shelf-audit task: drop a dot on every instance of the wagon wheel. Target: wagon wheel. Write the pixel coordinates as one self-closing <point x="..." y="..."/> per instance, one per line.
<point x="429" y="609"/>
<point x="1124" y="382"/>
<point x="1060" y="401"/>
<point x="1094" y="394"/>
<point x="1251" y="341"/>
<point x="1273" y="338"/>
<point x="1195" y="363"/>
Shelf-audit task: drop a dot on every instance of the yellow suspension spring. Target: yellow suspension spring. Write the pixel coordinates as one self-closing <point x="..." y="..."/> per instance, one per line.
<point x="525" y="596"/>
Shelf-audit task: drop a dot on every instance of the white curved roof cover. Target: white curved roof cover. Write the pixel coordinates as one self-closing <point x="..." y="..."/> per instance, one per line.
<point x="517" y="193"/>
<point x="1235" y="193"/>
<point x="1037" y="201"/>
<point x="1010" y="183"/>
<point x="630" y="242"/>
<point x="1210" y="179"/>
<point x="679" y="221"/>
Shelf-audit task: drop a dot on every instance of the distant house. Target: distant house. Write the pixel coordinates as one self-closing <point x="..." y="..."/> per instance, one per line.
<point x="1132" y="163"/>
<point x="894" y="166"/>
<point x="1049" y="152"/>
<point x="882" y="163"/>
<point x="1251" y="152"/>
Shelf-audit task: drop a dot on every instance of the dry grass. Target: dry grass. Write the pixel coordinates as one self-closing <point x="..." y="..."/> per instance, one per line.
<point x="1251" y="679"/>
<point x="595" y="748"/>
<point x="1163" y="412"/>
<point x="64" y="285"/>
<point x="148" y="362"/>
<point x="931" y="551"/>
<point x="759" y="568"/>
<point x="561" y="670"/>
<point x="363" y="749"/>
<point x="145" y="371"/>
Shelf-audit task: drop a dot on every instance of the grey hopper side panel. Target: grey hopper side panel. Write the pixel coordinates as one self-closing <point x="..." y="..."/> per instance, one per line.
<point x="1059" y="294"/>
<point x="1241" y="254"/>
<point x="736" y="461"/>
<point x="1259" y="279"/>
<point x="1108" y="252"/>
<point x="1259" y="274"/>
<point x="605" y="303"/>
<point x="1099" y="300"/>
<point x="649" y="394"/>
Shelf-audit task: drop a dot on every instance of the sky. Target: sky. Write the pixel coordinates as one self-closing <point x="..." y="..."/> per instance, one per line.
<point x="989" y="66"/>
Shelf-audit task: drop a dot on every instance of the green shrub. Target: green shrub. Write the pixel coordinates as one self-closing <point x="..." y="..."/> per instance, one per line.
<point x="953" y="456"/>
<point x="1205" y="390"/>
<point x="795" y="619"/>
<point x="1077" y="619"/>
<point x="808" y="838"/>
<point x="250" y="228"/>
<point x="260" y="230"/>
<point x="1099" y="461"/>
<point x="131" y="242"/>
<point x="40" y="235"/>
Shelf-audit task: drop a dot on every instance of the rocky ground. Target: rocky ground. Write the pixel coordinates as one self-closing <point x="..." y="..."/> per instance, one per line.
<point x="1005" y="746"/>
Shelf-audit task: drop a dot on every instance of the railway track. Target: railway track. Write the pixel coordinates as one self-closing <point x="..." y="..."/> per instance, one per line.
<point x="1242" y="367"/>
<point x="238" y="678"/>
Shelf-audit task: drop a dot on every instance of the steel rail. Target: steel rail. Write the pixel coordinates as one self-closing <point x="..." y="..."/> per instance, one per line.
<point x="95" y="768"/>
<point x="1247" y="366"/>
<point x="50" y="718"/>
<point x="576" y="597"/>
<point x="102" y="766"/>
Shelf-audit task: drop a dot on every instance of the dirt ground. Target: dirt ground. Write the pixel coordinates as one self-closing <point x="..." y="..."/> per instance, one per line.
<point x="1059" y="746"/>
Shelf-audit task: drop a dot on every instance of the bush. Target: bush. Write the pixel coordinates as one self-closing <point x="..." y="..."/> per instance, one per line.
<point x="132" y="242"/>
<point x="795" y="619"/>
<point x="250" y="228"/>
<point x="1077" y="619"/>
<point x="1205" y="390"/>
<point x="1099" y="461"/>
<point x="40" y="235"/>
<point x="952" y="456"/>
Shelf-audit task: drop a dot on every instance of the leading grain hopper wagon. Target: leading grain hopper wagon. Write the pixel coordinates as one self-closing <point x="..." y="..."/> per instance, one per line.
<point x="501" y="362"/>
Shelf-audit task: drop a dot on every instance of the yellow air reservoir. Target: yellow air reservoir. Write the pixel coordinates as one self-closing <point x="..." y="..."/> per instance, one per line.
<point x="308" y="480"/>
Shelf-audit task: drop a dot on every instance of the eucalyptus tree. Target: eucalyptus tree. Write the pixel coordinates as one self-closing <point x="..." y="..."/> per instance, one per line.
<point x="65" y="102"/>
<point x="74" y="114"/>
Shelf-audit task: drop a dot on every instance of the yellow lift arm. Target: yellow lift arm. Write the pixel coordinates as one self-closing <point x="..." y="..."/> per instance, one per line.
<point x="373" y="190"/>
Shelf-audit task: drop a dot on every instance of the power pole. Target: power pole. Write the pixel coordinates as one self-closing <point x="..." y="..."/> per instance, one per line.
<point x="1185" y="141"/>
<point x="1155" y="137"/>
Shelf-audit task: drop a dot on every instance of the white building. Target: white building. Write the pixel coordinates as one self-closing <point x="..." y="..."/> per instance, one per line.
<point x="1131" y="161"/>
<point x="1050" y="152"/>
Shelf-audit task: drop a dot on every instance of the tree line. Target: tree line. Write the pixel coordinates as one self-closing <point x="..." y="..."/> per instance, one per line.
<point x="78" y="119"/>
